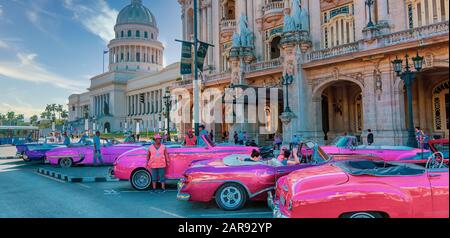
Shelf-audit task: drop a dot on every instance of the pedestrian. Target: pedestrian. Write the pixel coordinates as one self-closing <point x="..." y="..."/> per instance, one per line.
<point x="83" y="139"/>
<point x="370" y="138"/>
<point x="424" y="140"/>
<point x="245" y="137"/>
<point x="97" y="149"/>
<point x="66" y="139"/>
<point x="203" y="134"/>
<point x="294" y="142"/>
<point x="278" y="141"/>
<point x="418" y="137"/>
<point x="190" y="139"/>
<point x="157" y="162"/>
<point x="236" y="138"/>
<point x="211" y="135"/>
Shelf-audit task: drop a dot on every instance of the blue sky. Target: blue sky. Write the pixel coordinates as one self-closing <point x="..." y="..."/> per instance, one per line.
<point x="50" y="48"/>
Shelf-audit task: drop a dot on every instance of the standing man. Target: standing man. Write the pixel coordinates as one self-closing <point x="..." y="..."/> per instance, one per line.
<point x="66" y="139"/>
<point x="190" y="139"/>
<point x="236" y="139"/>
<point x="157" y="161"/>
<point x="370" y="138"/>
<point x="419" y="137"/>
<point x="97" y="149"/>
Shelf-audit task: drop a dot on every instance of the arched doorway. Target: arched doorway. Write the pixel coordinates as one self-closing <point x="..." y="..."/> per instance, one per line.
<point x="107" y="127"/>
<point x="431" y="106"/>
<point x="342" y="109"/>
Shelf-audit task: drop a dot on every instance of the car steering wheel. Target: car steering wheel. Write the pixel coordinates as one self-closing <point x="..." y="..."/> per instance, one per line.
<point x="433" y="161"/>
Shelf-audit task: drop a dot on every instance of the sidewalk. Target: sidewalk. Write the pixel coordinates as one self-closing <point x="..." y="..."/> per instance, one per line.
<point x="8" y="152"/>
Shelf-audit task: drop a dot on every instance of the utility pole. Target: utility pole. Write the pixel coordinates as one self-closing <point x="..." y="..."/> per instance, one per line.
<point x="196" y="89"/>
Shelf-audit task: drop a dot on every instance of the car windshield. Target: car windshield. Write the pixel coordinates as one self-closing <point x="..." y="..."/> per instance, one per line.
<point x="322" y="156"/>
<point x="340" y="141"/>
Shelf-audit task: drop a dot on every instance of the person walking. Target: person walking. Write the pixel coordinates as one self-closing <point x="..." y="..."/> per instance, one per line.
<point x="211" y="135"/>
<point x="278" y="141"/>
<point x="66" y="139"/>
<point x="370" y="138"/>
<point x="97" y="149"/>
<point x="419" y="137"/>
<point x="236" y="139"/>
<point x="190" y="139"/>
<point x="157" y="162"/>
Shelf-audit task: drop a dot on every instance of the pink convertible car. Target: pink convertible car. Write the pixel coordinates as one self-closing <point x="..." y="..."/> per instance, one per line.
<point x="77" y="154"/>
<point x="234" y="180"/>
<point x="132" y="164"/>
<point x="349" y="145"/>
<point x="364" y="189"/>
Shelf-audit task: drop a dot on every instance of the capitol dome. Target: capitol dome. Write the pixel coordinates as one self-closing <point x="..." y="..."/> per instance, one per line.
<point x="136" y="13"/>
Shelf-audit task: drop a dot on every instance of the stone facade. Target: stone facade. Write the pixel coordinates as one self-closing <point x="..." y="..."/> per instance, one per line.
<point x="343" y="76"/>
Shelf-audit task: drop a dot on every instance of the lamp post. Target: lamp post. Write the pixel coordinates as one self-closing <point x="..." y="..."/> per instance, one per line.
<point x="286" y="81"/>
<point x="168" y="104"/>
<point x="369" y="4"/>
<point x="408" y="76"/>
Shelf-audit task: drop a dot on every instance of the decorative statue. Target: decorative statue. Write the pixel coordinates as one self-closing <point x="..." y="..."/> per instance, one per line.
<point x="236" y="40"/>
<point x="304" y="19"/>
<point x="246" y="34"/>
<point x="289" y="24"/>
<point x="296" y="14"/>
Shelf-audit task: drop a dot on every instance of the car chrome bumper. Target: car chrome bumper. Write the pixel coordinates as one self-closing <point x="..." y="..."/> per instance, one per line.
<point x="182" y="196"/>
<point x="275" y="206"/>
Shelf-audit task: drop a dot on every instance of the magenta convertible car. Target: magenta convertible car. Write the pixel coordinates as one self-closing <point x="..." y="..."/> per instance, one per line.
<point x="77" y="154"/>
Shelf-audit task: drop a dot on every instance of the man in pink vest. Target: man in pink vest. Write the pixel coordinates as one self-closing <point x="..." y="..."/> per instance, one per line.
<point x="157" y="161"/>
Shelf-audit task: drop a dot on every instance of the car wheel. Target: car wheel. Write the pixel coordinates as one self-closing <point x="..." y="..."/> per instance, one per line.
<point x="66" y="162"/>
<point x="141" y="180"/>
<point x="231" y="197"/>
<point x="25" y="157"/>
<point x="364" y="215"/>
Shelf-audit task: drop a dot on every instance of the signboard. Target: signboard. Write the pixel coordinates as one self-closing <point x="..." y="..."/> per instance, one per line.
<point x="186" y="58"/>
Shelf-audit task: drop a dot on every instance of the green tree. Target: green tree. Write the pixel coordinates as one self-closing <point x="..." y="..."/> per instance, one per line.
<point x="34" y="119"/>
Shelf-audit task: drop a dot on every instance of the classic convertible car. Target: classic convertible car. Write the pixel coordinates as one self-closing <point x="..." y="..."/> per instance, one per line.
<point x="34" y="151"/>
<point x="132" y="164"/>
<point x="233" y="180"/>
<point x="76" y="154"/>
<point x="349" y="145"/>
<point x="364" y="189"/>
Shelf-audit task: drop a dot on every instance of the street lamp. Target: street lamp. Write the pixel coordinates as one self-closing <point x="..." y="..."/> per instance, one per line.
<point x="168" y="104"/>
<point x="408" y="76"/>
<point x="286" y="81"/>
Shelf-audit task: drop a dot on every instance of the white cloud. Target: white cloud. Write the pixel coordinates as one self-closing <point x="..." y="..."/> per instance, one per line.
<point x="97" y="17"/>
<point x="3" y="44"/>
<point x="27" y="69"/>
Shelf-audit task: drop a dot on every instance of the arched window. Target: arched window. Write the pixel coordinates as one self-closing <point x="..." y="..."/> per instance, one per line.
<point x="152" y="36"/>
<point x="426" y="12"/>
<point x="145" y="35"/>
<point x="121" y="34"/>
<point x="338" y="26"/>
<point x="138" y="57"/>
<point x="129" y="33"/>
<point x="138" y="34"/>
<point x="275" y="48"/>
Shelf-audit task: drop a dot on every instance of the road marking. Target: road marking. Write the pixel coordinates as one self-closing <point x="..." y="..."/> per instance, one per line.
<point x="167" y="212"/>
<point x="235" y="214"/>
<point x="84" y="185"/>
<point x="54" y="179"/>
<point x="110" y="192"/>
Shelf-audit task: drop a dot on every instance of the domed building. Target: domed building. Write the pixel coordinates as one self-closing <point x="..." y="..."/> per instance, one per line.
<point x="136" y="46"/>
<point x="132" y="90"/>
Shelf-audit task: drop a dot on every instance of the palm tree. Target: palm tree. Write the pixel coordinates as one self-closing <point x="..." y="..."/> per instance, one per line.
<point x="33" y="119"/>
<point x="10" y="116"/>
<point x="59" y="110"/>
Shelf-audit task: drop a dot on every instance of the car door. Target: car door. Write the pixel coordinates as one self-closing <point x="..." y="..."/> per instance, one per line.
<point x="439" y="191"/>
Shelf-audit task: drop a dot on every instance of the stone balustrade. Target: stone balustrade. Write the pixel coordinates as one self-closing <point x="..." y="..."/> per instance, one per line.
<point x="414" y="34"/>
<point x="228" y="24"/>
<point x="264" y="65"/>
<point x="276" y="6"/>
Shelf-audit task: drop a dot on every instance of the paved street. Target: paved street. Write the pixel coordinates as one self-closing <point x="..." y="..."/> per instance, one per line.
<point x="25" y="193"/>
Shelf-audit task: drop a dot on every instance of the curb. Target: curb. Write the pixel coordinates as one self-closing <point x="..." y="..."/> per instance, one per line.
<point x="72" y="179"/>
<point x="9" y="158"/>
